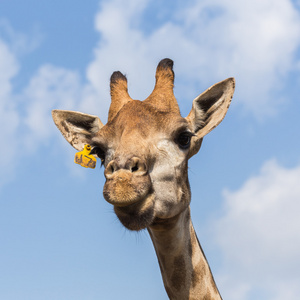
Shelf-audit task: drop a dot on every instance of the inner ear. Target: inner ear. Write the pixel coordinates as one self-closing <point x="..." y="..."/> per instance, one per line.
<point x="209" y="99"/>
<point x="77" y="128"/>
<point x="210" y="107"/>
<point x="83" y="123"/>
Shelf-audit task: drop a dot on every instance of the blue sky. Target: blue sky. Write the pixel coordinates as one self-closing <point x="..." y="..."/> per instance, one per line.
<point x="59" y="238"/>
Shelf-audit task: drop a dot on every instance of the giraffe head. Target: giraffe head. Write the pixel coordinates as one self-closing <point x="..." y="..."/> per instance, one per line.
<point x="145" y="145"/>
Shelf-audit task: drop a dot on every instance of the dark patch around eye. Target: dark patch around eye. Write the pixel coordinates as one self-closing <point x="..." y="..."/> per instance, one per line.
<point x="184" y="139"/>
<point x="99" y="152"/>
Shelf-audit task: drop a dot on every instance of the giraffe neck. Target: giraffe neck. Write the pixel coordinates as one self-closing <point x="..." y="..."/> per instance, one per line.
<point x="184" y="268"/>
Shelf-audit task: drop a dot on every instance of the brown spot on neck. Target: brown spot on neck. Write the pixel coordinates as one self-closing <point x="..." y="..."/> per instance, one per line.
<point x="178" y="277"/>
<point x="199" y="272"/>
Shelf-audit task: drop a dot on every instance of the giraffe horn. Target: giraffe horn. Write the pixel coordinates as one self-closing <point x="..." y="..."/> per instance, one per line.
<point x="162" y="96"/>
<point x="118" y="92"/>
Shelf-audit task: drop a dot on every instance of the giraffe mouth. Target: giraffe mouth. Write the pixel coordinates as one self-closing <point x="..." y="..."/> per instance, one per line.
<point x="125" y="188"/>
<point x="137" y="216"/>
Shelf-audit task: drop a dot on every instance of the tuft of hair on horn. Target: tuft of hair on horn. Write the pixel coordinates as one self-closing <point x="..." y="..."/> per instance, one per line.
<point x="164" y="71"/>
<point x="116" y="76"/>
<point x="119" y="93"/>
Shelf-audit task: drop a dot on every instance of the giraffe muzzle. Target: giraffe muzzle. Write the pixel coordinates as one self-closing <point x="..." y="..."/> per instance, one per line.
<point x="126" y="184"/>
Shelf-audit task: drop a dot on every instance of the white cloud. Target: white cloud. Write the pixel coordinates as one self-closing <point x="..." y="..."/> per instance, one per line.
<point x="51" y="87"/>
<point x="9" y="68"/>
<point x="209" y="40"/>
<point x="259" y="235"/>
<point x="25" y="118"/>
<point x="11" y="134"/>
<point x="122" y="47"/>
<point x="19" y="42"/>
<point x="9" y="117"/>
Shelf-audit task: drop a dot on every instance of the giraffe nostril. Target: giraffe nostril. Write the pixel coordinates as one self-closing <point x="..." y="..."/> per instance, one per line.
<point x="135" y="168"/>
<point x="136" y="165"/>
<point x="112" y="169"/>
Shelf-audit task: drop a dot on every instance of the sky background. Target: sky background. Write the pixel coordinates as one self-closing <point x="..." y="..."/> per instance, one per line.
<point x="59" y="239"/>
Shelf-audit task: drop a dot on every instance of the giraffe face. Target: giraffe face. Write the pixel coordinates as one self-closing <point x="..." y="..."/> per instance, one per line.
<point x="145" y="145"/>
<point x="145" y="159"/>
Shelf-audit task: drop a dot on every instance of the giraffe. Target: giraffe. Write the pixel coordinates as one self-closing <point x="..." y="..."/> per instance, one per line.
<point x="144" y="148"/>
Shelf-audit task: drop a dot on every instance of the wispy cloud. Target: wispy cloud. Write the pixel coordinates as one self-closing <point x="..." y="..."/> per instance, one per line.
<point x="9" y="117"/>
<point x="50" y="87"/>
<point x="255" y="41"/>
<point x="259" y="235"/>
<point x="20" y="43"/>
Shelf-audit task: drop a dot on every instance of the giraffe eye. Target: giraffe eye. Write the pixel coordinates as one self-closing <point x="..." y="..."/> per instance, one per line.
<point x="184" y="139"/>
<point x="99" y="152"/>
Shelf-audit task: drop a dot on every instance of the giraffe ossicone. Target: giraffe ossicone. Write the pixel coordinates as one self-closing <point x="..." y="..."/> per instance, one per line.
<point x="145" y="147"/>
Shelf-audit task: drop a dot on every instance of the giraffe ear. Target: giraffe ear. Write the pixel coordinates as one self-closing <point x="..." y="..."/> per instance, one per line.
<point x="209" y="109"/>
<point x="77" y="128"/>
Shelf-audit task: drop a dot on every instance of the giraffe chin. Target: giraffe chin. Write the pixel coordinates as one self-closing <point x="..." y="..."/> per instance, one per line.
<point x="137" y="216"/>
